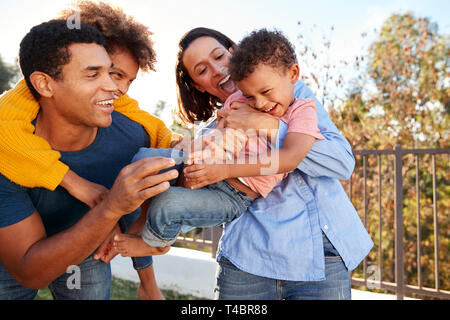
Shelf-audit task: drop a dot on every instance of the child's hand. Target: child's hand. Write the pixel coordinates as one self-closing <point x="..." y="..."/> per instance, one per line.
<point x="200" y="175"/>
<point x="88" y="192"/>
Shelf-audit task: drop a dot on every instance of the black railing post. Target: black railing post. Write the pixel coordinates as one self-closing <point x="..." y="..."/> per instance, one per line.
<point x="399" y="222"/>
<point x="216" y="234"/>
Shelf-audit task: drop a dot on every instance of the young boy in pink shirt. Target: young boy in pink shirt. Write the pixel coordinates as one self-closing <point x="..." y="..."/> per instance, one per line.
<point x="266" y="83"/>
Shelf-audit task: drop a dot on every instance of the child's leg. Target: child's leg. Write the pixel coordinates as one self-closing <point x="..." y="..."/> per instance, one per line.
<point x="177" y="207"/>
<point x="148" y="289"/>
<point x="175" y="154"/>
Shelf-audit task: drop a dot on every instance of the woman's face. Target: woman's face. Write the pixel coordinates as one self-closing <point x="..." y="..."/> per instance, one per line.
<point x="206" y="61"/>
<point x="124" y="70"/>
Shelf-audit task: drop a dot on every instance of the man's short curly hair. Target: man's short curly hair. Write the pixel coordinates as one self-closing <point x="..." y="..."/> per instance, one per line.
<point x="261" y="46"/>
<point x="45" y="48"/>
<point x="120" y="30"/>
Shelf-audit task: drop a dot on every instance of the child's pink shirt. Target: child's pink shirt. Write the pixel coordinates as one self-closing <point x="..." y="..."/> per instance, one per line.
<point x="300" y="117"/>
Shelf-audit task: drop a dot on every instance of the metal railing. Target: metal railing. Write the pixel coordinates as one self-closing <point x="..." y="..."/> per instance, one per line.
<point x="399" y="286"/>
<point x="203" y="238"/>
<point x="373" y="277"/>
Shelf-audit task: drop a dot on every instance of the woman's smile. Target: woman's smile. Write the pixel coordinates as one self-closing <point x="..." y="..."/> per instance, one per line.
<point x="227" y="85"/>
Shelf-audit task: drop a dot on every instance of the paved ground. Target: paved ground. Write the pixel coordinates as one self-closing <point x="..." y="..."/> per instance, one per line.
<point x="197" y="275"/>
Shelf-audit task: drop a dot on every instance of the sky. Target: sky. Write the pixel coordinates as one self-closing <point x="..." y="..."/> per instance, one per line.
<point x="170" y="19"/>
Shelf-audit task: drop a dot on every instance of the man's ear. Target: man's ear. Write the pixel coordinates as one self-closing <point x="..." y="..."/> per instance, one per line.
<point x="294" y="73"/>
<point x="42" y="83"/>
<point x="198" y="87"/>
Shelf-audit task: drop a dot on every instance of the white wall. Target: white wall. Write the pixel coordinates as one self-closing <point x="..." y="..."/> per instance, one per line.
<point x="185" y="271"/>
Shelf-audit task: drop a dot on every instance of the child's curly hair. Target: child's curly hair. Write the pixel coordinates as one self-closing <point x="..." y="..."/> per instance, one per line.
<point x="118" y="29"/>
<point x="261" y="46"/>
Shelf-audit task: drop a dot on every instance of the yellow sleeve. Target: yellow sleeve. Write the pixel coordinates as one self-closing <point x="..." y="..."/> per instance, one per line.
<point x="25" y="158"/>
<point x="160" y="135"/>
<point x="28" y="160"/>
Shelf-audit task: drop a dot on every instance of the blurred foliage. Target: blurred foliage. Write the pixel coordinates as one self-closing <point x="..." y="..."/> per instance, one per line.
<point x="9" y="74"/>
<point x="175" y="126"/>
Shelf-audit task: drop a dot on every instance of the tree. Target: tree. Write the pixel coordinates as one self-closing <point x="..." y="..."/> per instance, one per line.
<point x="409" y="63"/>
<point x="8" y="75"/>
<point x="404" y="99"/>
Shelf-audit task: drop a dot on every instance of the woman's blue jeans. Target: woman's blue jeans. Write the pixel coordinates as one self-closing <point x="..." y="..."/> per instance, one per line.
<point x="235" y="284"/>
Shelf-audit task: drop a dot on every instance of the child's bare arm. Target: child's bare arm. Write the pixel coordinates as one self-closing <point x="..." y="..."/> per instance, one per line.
<point x="295" y="148"/>
<point x="88" y="192"/>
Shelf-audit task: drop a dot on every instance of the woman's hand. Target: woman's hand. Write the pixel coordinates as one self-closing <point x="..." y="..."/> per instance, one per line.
<point x="200" y="175"/>
<point x="242" y="116"/>
<point x="211" y="153"/>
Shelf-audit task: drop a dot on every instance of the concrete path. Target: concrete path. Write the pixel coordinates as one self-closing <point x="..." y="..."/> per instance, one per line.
<point x="194" y="272"/>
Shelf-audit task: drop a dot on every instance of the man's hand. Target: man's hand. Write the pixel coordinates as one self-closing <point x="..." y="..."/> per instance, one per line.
<point x="138" y="182"/>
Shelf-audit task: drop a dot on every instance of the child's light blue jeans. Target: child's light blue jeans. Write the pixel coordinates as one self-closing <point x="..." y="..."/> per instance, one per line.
<point x="179" y="207"/>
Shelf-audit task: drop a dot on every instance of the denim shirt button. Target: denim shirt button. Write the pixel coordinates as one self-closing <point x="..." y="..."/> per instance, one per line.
<point x="325" y="227"/>
<point x="300" y="181"/>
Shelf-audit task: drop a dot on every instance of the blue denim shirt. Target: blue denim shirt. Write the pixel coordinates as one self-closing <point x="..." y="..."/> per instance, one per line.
<point x="280" y="236"/>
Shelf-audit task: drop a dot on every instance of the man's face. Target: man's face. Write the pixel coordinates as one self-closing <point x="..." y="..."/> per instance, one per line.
<point x="84" y="94"/>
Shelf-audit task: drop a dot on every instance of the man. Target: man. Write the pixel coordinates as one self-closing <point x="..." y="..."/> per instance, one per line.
<point x="43" y="232"/>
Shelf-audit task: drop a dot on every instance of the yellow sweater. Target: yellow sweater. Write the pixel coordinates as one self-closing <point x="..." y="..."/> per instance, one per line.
<point x="28" y="160"/>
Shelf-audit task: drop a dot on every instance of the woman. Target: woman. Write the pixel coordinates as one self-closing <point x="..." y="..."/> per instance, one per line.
<point x="294" y="244"/>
